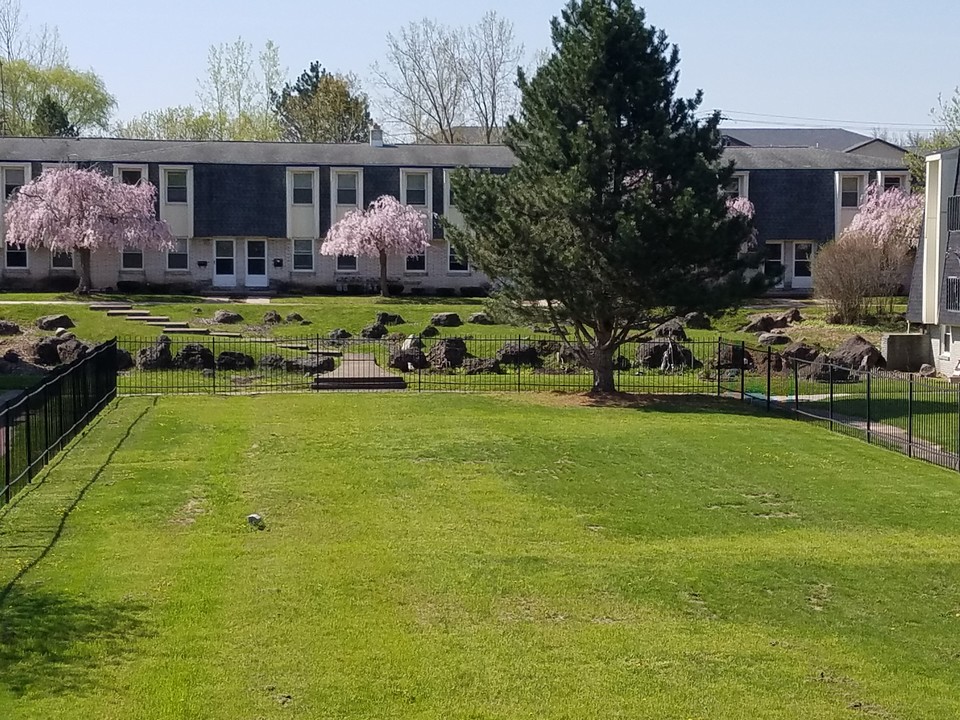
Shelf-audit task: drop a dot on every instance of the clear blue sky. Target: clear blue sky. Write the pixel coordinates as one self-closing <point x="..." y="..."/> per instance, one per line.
<point x="873" y="63"/>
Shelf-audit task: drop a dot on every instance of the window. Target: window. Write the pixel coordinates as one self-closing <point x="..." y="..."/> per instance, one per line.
<point x="179" y="257"/>
<point x="416" y="263"/>
<point x="734" y="188"/>
<point x="773" y="265"/>
<point x="802" y="258"/>
<point x="455" y="262"/>
<point x="946" y="340"/>
<point x="176" y="186"/>
<point x="953" y="294"/>
<point x="131" y="259"/>
<point x="850" y="192"/>
<point x="13" y="180"/>
<point x="892" y="181"/>
<point x="303" y="254"/>
<point x="303" y="188"/>
<point x="416" y="189"/>
<point x="953" y="214"/>
<point x="346" y="263"/>
<point x="134" y="176"/>
<point x="16" y="256"/>
<point x="61" y="261"/>
<point x="346" y="189"/>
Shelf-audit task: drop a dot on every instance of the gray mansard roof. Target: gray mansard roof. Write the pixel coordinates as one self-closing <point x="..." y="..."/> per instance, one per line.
<point x="362" y="154"/>
<point x="823" y="138"/>
<point x="250" y="153"/>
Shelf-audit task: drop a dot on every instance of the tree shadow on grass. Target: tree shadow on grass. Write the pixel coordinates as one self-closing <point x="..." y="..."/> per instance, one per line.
<point x="695" y="404"/>
<point x="52" y="643"/>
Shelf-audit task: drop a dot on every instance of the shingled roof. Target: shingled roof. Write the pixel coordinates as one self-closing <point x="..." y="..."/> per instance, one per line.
<point x="823" y="138"/>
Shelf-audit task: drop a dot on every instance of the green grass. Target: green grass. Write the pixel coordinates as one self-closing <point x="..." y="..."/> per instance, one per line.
<point x="18" y="382"/>
<point x="477" y="557"/>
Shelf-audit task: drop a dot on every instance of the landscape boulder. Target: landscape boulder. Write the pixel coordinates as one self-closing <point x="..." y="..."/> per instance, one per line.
<point x="857" y="353"/>
<point x="340" y="334"/>
<point x="430" y="331"/>
<point x="672" y="329"/>
<point x="12" y="356"/>
<point x="45" y="351"/>
<point x="790" y="316"/>
<point x="519" y="353"/>
<point x="408" y="359"/>
<point x="156" y="356"/>
<point x="194" y="356"/>
<point x="773" y="339"/>
<point x="272" y="317"/>
<point x="376" y="331"/>
<point x="776" y="363"/>
<point x="124" y="360"/>
<point x="71" y="350"/>
<point x="232" y="360"/>
<point x="765" y="323"/>
<point x="294" y="317"/>
<point x="52" y="322"/>
<point x="385" y="318"/>
<point x="313" y="365"/>
<point x="227" y="317"/>
<point x="734" y="357"/>
<point x="823" y="370"/>
<point x="928" y="371"/>
<point x="802" y="352"/>
<point x="447" y="354"/>
<point x="696" y="321"/>
<point x="272" y="361"/>
<point x="665" y="354"/>
<point x="482" y="366"/>
<point x="446" y="319"/>
<point x="480" y="318"/>
<point x="412" y="342"/>
<point x="8" y="327"/>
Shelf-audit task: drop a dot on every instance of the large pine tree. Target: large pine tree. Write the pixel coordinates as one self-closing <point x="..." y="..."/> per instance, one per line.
<point x="612" y="219"/>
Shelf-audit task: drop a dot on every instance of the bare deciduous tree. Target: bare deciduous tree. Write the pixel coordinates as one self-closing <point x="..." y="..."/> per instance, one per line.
<point x="437" y="79"/>
<point x="18" y="41"/>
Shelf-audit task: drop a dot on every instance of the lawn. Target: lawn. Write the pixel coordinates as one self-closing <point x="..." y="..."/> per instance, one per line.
<point x="477" y="557"/>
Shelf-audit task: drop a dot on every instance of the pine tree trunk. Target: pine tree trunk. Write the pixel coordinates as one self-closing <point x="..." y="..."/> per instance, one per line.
<point x="384" y="289"/>
<point x="85" y="281"/>
<point x="603" y="373"/>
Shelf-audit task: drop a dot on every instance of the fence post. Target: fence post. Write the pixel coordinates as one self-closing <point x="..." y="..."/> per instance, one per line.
<point x="7" y="452"/>
<point x="28" y="430"/>
<point x="831" y="395"/>
<point x="419" y="365"/>
<point x="717" y="364"/>
<point x="958" y="430"/>
<point x="519" y="342"/>
<point x="213" y="350"/>
<point x="743" y="370"/>
<point x="910" y="417"/>
<point x="769" y="371"/>
<point x="796" y="389"/>
<point x="869" y="429"/>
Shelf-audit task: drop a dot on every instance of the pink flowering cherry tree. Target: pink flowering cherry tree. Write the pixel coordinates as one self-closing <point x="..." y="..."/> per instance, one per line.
<point x="892" y="218"/>
<point x="69" y="210"/>
<point x="387" y="227"/>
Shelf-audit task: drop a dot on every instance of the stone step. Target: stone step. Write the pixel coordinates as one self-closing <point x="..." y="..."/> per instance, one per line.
<point x="128" y="313"/>
<point x="395" y="383"/>
<point x="294" y="346"/>
<point x="111" y="306"/>
<point x="155" y="320"/>
<point x="168" y="330"/>
<point x="224" y="334"/>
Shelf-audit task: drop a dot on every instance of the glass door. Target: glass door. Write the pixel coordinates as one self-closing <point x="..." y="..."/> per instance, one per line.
<point x="256" y="264"/>
<point x="224" y="265"/>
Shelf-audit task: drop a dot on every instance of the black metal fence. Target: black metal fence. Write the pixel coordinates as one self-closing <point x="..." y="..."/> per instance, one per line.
<point x="919" y="417"/>
<point x="40" y="422"/>
<point x="238" y="365"/>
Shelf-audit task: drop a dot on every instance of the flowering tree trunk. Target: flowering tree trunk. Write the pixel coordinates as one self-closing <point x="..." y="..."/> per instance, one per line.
<point x="384" y="289"/>
<point x="86" y="283"/>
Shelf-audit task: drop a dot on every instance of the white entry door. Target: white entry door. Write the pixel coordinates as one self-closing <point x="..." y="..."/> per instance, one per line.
<point x="224" y="264"/>
<point x="257" y="264"/>
<point x="803" y="265"/>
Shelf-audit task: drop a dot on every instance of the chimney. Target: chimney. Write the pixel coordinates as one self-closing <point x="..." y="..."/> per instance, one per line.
<point x="376" y="136"/>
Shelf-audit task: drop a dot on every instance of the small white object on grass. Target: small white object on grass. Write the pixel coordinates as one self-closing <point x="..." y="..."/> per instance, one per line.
<point x="255" y="520"/>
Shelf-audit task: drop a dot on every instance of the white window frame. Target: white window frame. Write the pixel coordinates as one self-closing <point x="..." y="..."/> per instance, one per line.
<point x="452" y="270"/>
<point x="347" y="271"/>
<point x="447" y="177"/>
<point x="27" y="177"/>
<point x="783" y="265"/>
<point x="142" y="168"/>
<point x="16" y="268"/>
<point x="415" y="271"/>
<point x="946" y="341"/>
<point x="174" y="252"/>
<point x="291" y="169"/>
<point x="294" y="253"/>
<point x="314" y="187"/>
<point x="428" y="188"/>
<point x="903" y="176"/>
<point x="334" y="173"/>
<point x="133" y="251"/>
<point x="743" y="182"/>
<point x="63" y="268"/>
<point x="165" y="171"/>
<point x="861" y="187"/>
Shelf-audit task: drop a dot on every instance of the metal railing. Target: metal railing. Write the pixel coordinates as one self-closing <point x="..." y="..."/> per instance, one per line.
<point x="919" y="417"/>
<point x="38" y="423"/>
